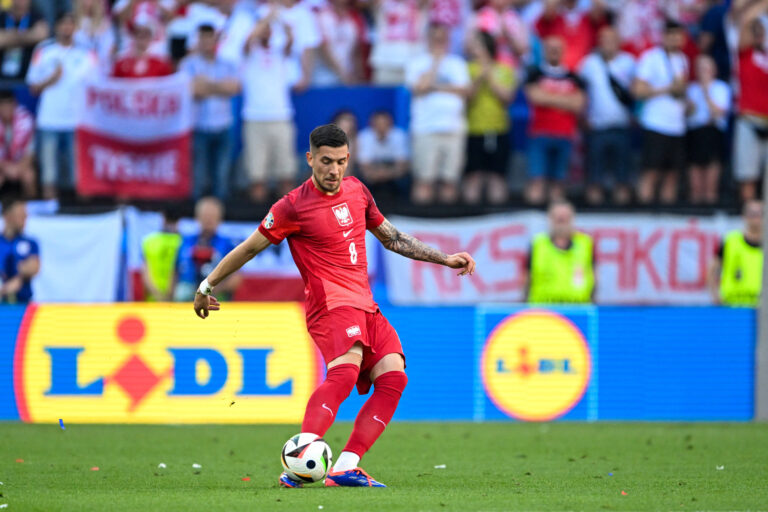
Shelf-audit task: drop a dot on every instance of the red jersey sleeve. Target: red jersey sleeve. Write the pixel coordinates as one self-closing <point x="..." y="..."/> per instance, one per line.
<point x="373" y="217"/>
<point x="281" y="221"/>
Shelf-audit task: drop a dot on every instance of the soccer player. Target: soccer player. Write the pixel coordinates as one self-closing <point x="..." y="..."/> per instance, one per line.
<point x="325" y="220"/>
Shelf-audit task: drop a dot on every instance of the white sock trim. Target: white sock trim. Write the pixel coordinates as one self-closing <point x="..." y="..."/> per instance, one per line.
<point x="346" y="461"/>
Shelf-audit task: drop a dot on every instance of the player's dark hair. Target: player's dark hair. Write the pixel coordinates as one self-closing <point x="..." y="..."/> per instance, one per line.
<point x="327" y="135"/>
<point x="489" y="42"/>
<point x="206" y="28"/>
<point x="10" y="201"/>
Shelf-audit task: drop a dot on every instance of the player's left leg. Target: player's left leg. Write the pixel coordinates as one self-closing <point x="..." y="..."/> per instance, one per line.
<point x="389" y="381"/>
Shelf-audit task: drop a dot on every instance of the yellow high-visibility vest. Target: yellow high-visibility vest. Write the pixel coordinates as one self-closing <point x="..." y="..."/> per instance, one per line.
<point x="562" y="275"/>
<point x="741" y="277"/>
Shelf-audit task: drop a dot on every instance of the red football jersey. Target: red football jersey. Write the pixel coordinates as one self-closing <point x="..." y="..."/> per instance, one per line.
<point x="753" y="82"/>
<point x="326" y="235"/>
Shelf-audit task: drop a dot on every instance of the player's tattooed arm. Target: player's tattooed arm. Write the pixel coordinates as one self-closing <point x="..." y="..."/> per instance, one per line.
<point x="413" y="248"/>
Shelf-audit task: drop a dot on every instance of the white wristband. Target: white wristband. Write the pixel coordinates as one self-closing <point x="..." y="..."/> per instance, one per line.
<point x="205" y="288"/>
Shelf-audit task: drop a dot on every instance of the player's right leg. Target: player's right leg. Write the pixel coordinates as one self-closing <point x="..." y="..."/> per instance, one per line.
<point x="325" y="401"/>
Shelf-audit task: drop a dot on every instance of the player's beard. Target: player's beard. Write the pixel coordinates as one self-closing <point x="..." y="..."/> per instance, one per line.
<point x="326" y="187"/>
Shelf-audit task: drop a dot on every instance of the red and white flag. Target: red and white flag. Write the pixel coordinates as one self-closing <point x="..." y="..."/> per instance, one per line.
<point x="134" y="137"/>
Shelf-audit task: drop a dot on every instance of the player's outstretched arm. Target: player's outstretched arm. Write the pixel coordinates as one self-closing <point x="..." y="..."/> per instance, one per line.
<point x="413" y="248"/>
<point x="229" y="264"/>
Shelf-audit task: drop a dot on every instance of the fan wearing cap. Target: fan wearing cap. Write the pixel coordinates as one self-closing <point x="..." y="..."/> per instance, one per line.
<point x="139" y="62"/>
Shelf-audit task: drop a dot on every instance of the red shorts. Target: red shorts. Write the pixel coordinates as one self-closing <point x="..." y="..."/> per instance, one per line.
<point x="335" y="331"/>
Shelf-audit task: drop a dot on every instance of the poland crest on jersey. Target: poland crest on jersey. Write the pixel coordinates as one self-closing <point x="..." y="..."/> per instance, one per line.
<point x="342" y="214"/>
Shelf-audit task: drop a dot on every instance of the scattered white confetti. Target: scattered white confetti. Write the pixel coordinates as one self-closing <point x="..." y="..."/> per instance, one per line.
<point x="440" y="466"/>
<point x="719" y="468"/>
<point x="161" y="465"/>
<point x="4" y="505"/>
<point x="196" y="465"/>
<point x="320" y="507"/>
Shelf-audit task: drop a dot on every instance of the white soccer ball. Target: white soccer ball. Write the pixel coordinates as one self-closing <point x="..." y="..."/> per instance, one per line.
<point x="306" y="458"/>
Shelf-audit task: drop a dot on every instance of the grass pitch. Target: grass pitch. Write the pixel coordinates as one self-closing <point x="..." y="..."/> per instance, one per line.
<point x="492" y="466"/>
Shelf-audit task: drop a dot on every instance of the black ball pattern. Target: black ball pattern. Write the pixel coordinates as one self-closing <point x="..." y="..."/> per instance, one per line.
<point x="311" y="464"/>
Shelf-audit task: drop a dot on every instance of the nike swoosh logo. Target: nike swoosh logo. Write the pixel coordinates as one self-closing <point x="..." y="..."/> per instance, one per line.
<point x="346" y="233"/>
<point x="328" y="408"/>
<point x="380" y="421"/>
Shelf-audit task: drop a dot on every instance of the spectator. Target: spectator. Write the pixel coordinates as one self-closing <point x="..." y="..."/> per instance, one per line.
<point x="342" y="33"/>
<point x="640" y="24"/>
<point x="19" y="255"/>
<point x="400" y="33"/>
<point x="736" y="272"/>
<point x="503" y="23"/>
<point x="200" y="253"/>
<point x="493" y="84"/>
<point x="561" y="264"/>
<point x="268" y="130"/>
<point x="713" y="39"/>
<point x="94" y="31"/>
<point x="160" y="251"/>
<point x="17" y="146"/>
<point x="383" y="156"/>
<point x="564" y="18"/>
<point x="608" y="74"/>
<point x="750" y="152"/>
<point x="661" y="82"/>
<point x="138" y="62"/>
<point x="347" y="121"/>
<point x="557" y="98"/>
<point x="439" y="84"/>
<point x="153" y="13"/>
<point x="56" y="74"/>
<point x="215" y="82"/>
<point x="241" y="18"/>
<point x="307" y="39"/>
<point x="22" y="28"/>
<point x="454" y="14"/>
<point x="709" y="103"/>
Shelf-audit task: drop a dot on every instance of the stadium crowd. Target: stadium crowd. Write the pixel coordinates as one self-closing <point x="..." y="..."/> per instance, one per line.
<point x="623" y="101"/>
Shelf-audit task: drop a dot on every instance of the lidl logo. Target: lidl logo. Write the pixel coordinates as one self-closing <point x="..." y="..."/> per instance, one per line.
<point x="536" y="365"/>
<point x="159" y="363"/>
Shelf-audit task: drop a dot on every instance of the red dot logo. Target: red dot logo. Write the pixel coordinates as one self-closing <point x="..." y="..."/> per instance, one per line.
<point x="130" y="330"/>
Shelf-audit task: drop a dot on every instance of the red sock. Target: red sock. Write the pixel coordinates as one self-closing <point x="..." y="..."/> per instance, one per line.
<point x="376" y="412"/>
<point x="325" y="401"/>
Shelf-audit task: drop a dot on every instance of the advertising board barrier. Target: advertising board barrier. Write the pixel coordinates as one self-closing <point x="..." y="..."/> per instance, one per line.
<point x="255" y="363"/>
<point x="641" y="259"/>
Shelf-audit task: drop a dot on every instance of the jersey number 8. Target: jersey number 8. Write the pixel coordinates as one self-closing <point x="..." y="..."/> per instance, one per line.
<point x="352" y="253"/>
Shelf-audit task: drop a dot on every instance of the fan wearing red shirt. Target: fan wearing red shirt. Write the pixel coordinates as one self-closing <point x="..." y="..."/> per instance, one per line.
<point x="564" y="19"/>
<point x="750" y="153"/>
<point x="325" y="220"/>
<point x="138" y="63"/>
<point x="557" y="98"/>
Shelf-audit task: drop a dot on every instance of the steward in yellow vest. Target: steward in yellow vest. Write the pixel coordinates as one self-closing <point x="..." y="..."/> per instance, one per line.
<point x="159" y="252"/>
<point x="561" y="263"/>
<point x="739" y="262"/>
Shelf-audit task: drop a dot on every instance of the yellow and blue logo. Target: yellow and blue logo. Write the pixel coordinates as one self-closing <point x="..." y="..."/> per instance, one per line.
<point x="153" y="363"/>
<point x="536" y="365"/>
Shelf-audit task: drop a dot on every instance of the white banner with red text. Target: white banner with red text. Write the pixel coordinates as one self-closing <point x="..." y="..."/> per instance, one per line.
<point x="658" y="259"/>
<point x="133" y="138"/>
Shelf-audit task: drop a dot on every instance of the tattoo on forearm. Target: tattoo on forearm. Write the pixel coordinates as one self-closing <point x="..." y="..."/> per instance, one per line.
<point x="408" y="246"/>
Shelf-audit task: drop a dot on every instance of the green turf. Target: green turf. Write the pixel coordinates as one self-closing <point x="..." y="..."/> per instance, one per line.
<point x="495" y="466"/>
